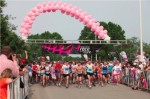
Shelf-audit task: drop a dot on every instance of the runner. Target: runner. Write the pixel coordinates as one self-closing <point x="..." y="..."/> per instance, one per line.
<point x="79" y="71"/>
<point x="47" y="73"/>
<point x="58" y="71"/>
<point x="65" y="72"/>
<point x="35" y="74"/>
<point x="95" y="69"/>
<point x="117" y="72"/>
<point x="74" y="72"/>
<point x="104" y="73"/>
<point x="99" y="74"/>
<point x="70" y="75"/>
<point x="89" y="73"/>
<point x="42" y="72"/>
<point x="110" y="67"/>
<point x="30" y="73"/>
<point x="53" y="73"/>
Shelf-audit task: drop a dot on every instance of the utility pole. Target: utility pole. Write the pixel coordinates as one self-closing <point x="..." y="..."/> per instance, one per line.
<point x="141" y="31"/>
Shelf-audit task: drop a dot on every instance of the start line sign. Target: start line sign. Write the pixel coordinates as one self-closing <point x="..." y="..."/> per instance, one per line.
<point x="85" y="49"/>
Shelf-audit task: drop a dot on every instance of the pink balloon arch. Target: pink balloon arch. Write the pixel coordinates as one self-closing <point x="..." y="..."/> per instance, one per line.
<point x="64" y="8"/>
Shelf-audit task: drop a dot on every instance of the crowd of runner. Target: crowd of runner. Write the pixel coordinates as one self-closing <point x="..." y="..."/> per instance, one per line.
<point x="86" y="73"/>
<point x="62" y="73"/>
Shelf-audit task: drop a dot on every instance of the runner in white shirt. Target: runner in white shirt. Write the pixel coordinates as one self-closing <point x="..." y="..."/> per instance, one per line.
<point x="116" y="72"/>
<point x="66" y="71"/>
<point x="47" y="72"/>
<point x="89" y="71"/>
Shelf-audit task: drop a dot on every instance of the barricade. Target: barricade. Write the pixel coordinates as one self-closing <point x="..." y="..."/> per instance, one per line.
<point x="130" y="79"/>
<point x="14" y="90"/>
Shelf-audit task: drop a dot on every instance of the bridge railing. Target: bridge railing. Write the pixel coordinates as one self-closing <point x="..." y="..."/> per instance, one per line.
<point x="50" y="41"/>
<point x="130" y="79"/>
<point x="15" y="92"/>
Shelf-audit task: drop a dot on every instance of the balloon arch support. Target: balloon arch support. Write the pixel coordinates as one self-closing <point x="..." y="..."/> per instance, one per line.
<point x="67" y="9"/>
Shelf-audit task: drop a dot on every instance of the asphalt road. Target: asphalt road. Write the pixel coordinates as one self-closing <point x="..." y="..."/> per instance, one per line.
<point x="98" y="92"/>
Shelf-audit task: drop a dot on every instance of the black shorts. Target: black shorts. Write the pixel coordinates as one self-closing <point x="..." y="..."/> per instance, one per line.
<point x="79" y="75"/>
<point x="65" y="75"/>
<point x="90" y="74"/>
<point x="95" y="74"/>
<point x="85" y="76"/>
<point x="110" y="74"/>
<point x="104" y="75"/>
<point x="47" y="74"/>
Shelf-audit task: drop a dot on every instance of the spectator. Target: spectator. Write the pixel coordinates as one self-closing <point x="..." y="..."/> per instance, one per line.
<point x="5" y="79"/>
<point x="6" y="63"/>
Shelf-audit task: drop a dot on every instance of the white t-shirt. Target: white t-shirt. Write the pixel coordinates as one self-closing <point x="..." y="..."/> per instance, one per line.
<point x="47" y="68"/>
<point x="141" y="66"/>
<point x="117" y="69"/>
<point x="74" y="68"/>
<point x="65" y="69"/>
<point x="89" y="68"/>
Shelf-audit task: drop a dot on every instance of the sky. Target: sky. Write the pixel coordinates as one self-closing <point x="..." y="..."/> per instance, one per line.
<point x="122" y="12"/>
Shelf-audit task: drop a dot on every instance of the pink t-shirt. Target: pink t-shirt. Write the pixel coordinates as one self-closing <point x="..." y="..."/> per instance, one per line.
<point x="6" y="63"/>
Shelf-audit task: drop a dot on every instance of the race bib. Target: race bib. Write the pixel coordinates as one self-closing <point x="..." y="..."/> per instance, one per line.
<point x="66" y="69"/>
<point x="89" y="69"/>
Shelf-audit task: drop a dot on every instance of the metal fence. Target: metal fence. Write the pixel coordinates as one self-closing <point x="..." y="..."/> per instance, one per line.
<point x="14" y="90"/>
<point x="130" y="79"/>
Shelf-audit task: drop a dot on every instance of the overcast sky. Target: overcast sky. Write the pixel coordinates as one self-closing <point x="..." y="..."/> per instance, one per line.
<point x="122" y="12"/>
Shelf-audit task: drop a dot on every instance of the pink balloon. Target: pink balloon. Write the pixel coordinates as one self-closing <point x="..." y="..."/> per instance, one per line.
<point x="33" y="18"/>
<point x="85" y="20"/>
<point x="72" y="15"/>
<point x="93" y="20"/>
<point x="22" y="25"/>
<point x="89" y="17"/>
<point x="44" y="4"/>
<point x="76" y="17"/>
<point x="90" y="23"/>
<point x="101" y="27"/>
<point x="97" y="24"/>
<point x="21" y="31"/>
<point x="62" y="11"/>
<point x="97" y="31"/>
<point x="94" y="27"/>
<point x="54" y="10"/>
<point x="34" y="10"/>
<point x="92" y="30"/>
<point x="44" y="10"/>
<point x="49" y="10"/>
<point x="105" y="31"/>
<point x="72" y="12"/>
<point x="101" y="35"/>
<point x="67" y="13"/>
<point x="30" y="22"/>
<point x="38" y="6"/>
<point x="40" y="10"/>
<point x="80" y="20"/>
<point x="26" y="20"/>
<point x="30" y="14"/>
<point x="37" y="14"/>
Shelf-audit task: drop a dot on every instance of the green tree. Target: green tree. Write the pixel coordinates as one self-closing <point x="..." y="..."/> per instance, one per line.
<point x="114" y="31"/>
<point x="35" y="49"/>
<point x="7" y="34"/>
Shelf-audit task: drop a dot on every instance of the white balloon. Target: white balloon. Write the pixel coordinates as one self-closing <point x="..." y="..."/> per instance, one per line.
<point x="107" y="39"/>
<point x="24" y="37"/>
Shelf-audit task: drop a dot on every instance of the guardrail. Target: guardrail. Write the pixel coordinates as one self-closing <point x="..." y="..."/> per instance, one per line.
<point x="130" y="79"/>
<point x="15" y="92"/>
<point x="50" y="41"/>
